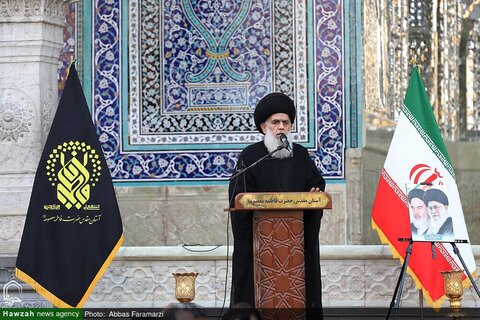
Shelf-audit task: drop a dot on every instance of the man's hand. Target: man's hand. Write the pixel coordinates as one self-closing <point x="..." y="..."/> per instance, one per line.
<point x="315" y="189"/>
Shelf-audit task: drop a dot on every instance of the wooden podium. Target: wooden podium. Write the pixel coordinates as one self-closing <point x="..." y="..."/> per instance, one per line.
<point x="278" y="244"/>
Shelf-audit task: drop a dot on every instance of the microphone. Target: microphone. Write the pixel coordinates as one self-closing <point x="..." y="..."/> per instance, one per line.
<point x="284" y="141"/>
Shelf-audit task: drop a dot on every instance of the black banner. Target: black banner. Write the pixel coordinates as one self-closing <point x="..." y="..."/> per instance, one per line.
<point x="73" y="226"/>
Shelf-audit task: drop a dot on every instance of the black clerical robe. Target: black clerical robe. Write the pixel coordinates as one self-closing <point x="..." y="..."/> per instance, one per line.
<point x="447" y="228"/>
<point x="295" y="174"/>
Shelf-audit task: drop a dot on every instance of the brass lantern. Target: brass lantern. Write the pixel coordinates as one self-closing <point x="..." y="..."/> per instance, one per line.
<point x="452" y="282"/>
<point x="185" y="286"/>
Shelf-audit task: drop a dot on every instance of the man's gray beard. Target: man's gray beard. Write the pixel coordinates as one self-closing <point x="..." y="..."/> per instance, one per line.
<point x="272" y="142"/>
<point x="436" y="224"/>
<point x="421" y="224"/>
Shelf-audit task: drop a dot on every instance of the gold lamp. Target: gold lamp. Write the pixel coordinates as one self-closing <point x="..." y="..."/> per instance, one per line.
<point x="185" y="286"/>
<point x="452" y="282"/>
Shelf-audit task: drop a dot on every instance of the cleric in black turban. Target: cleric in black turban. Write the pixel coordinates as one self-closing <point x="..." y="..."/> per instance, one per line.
<point x="272" y="103"/>
<point x="437" y="195"/>
<point x="441" y="221"/>
<point x="415" y="193"/>
<point x="283" y="168"/>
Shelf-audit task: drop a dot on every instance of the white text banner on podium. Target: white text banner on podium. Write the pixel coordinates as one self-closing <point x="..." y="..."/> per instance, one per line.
<point x="283" y="201"/>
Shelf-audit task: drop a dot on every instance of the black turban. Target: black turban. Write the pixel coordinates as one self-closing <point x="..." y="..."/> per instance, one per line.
<point x="272" y="103"/>
<point x="415" y="193"/>
<point x="435" y="195"/>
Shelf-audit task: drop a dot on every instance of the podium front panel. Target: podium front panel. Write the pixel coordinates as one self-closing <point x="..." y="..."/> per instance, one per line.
<point x="279" y="264"/>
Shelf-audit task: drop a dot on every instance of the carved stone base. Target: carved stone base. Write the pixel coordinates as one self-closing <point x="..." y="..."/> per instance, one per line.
<point x="352" y="276"/>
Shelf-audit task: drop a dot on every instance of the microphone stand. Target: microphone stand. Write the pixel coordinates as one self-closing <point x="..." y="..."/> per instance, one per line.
<point x="234" y="176"/>
<point x="256" y="162"/>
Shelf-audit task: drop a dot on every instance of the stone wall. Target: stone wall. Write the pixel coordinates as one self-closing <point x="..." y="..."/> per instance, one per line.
<point x="141" y="277"/>
<point x="30" y="42"/>
<point x="172" y="216"/>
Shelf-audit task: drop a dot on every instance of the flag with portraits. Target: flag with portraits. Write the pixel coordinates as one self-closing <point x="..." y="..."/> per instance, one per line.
<point x="412" y="197"/>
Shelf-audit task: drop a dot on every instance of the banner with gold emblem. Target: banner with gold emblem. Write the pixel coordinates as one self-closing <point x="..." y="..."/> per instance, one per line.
<point x="73" y="227"/>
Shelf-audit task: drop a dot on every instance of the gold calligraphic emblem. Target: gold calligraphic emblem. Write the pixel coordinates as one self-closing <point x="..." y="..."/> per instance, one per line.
<point x="287" y="200"/>
<point x="73" y="168"/>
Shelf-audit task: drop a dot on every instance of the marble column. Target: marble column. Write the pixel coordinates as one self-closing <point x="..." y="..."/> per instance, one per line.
<point x="30" y="43"/>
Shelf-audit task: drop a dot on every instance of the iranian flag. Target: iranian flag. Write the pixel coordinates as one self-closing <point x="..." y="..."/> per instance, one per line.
<point x="418" y="156"/>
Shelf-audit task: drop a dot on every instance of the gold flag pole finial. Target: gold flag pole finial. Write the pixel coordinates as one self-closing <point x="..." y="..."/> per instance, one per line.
<point x="413" y="61"/>
<point x="70" y="65"/>
<point x="413" y="57"/>
<point x="72" y="62"/>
